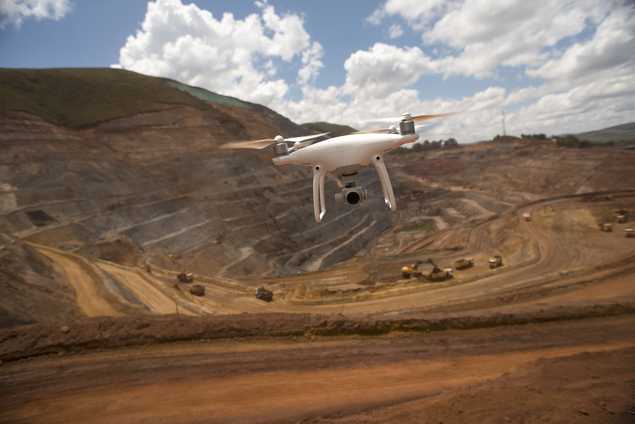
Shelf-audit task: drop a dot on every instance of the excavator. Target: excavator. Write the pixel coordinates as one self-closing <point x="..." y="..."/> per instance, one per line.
<point x="411" y="270"/>
<point x="437" y="274"/>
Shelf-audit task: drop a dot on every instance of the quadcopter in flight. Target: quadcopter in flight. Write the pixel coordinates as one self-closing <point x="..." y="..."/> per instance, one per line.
<point x="342" y="156"/>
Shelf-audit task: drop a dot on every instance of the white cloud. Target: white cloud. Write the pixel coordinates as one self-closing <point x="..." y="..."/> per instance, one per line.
<point x="395" y="31"/>
<point x="311" y="63"/>
<point x="484" y="34"/>
<point x="478" y="117"/>
<point x="593" y="105"/>
<point x="14" y="12"/>
<point x="589" y="85"/>
<point x="384" y="69"/>
<point x="579" y="54"/>
<point x="418" y="13"/>
<point x="612" y="46"/>
<point x="227" y="55"/>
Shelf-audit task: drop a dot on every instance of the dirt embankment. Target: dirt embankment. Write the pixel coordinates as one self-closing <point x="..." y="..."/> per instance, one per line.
<point x="569" y="372"/>
<point x="100" y="333"/>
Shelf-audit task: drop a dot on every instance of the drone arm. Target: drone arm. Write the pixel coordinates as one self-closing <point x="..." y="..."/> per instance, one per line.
<point x="319" y="201"/>
<point x="389" y="195"/>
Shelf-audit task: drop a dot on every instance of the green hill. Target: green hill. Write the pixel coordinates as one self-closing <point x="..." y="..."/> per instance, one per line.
<point x="335" y="129"/>
<point x="83" y="97"/>
<point x="618" y="134"/>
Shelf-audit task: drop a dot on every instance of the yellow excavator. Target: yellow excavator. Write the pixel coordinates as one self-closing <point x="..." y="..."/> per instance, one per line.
<point x="437" y="274"/>
<point x="409" y="271"/>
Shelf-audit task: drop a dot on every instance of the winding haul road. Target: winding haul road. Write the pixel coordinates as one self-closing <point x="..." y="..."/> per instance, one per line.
<point x="559" y="250"/>
<point x="528" y="373"/>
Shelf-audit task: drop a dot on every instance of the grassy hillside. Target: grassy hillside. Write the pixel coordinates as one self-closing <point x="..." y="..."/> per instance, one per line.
<point x="83" y="97"/>
<point x="618" y="133"/>
<point x="334" y="129"/>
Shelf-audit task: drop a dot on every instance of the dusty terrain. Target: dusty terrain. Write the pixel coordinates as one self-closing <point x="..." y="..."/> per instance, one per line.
<point x="570" y="373"/>
<point x="97" y="218"/>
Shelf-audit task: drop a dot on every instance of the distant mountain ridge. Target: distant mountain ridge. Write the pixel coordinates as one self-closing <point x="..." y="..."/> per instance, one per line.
<point x="617" y="133"/>
<point x="84" y="97"/>
<point x="335" y="130"/>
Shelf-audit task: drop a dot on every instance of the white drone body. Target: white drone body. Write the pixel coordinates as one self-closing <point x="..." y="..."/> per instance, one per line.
<point x="342" y="156"/>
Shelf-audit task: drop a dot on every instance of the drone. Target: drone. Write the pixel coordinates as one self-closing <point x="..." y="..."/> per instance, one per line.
<point x="342" y="156"/>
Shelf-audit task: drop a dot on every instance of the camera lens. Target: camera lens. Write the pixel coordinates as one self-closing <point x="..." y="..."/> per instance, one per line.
<point x="353" y="198"/>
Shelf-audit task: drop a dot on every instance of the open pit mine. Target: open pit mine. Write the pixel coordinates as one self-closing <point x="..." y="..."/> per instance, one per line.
<point x="146" y="275"/>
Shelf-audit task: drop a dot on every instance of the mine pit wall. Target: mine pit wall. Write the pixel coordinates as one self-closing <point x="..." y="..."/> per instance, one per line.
<point x="169" y="190"/>
<point x="158" y="180"/>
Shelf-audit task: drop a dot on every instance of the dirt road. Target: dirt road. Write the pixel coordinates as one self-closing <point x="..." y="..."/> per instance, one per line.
<point x="413" y="377"/>
<point x="89" y="293"/>
<point x="560" y="250"/>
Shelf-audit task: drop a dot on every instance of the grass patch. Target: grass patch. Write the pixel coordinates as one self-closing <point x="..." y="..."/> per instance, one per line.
<point x="208" y="96"/>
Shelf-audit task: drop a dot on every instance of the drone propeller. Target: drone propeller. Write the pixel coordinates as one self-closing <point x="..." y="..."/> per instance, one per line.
<point x="419" y="118"/>
<point x="305" y="137"/>
<point x="416" y="118"/>
<point x="263" y="143"/>
<point x="249" y="144"/>
<point x="374" y="131"/>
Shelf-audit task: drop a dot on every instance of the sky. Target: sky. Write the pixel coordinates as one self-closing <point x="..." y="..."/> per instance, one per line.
<point x="551" y="66"/>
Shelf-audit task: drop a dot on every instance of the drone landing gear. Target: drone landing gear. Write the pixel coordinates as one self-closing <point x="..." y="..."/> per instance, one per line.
<point x="350" y="193"/>
<point x="389" y="195"/>
<point x="319" y="201"/>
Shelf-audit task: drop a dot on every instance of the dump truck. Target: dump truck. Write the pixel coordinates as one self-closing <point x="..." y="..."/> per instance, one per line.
<point x="197" y="290"/>
<point x="436" y="276"/>
<point x="495" y="261"/>
<point x="464" y="263"/>
<point x="264" y="294"/>
<point x="527" y="216"/>
<point x="607" y="227"/>
<point x="621" y="215"/>
<point x="185" y="277"/>
<point x="629" y="232"/>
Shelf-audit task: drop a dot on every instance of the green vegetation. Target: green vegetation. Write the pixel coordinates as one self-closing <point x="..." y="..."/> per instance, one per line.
<point x="208" y="96"/>
<point x="572" y="141"/>
<point x="505" y="138"/>
<point x="84" y="97"/>
<point x="334" y="129"/>
<point x="426" y="145"/>
<point x="618" y="134"/>
<point x="540" y="136"/>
